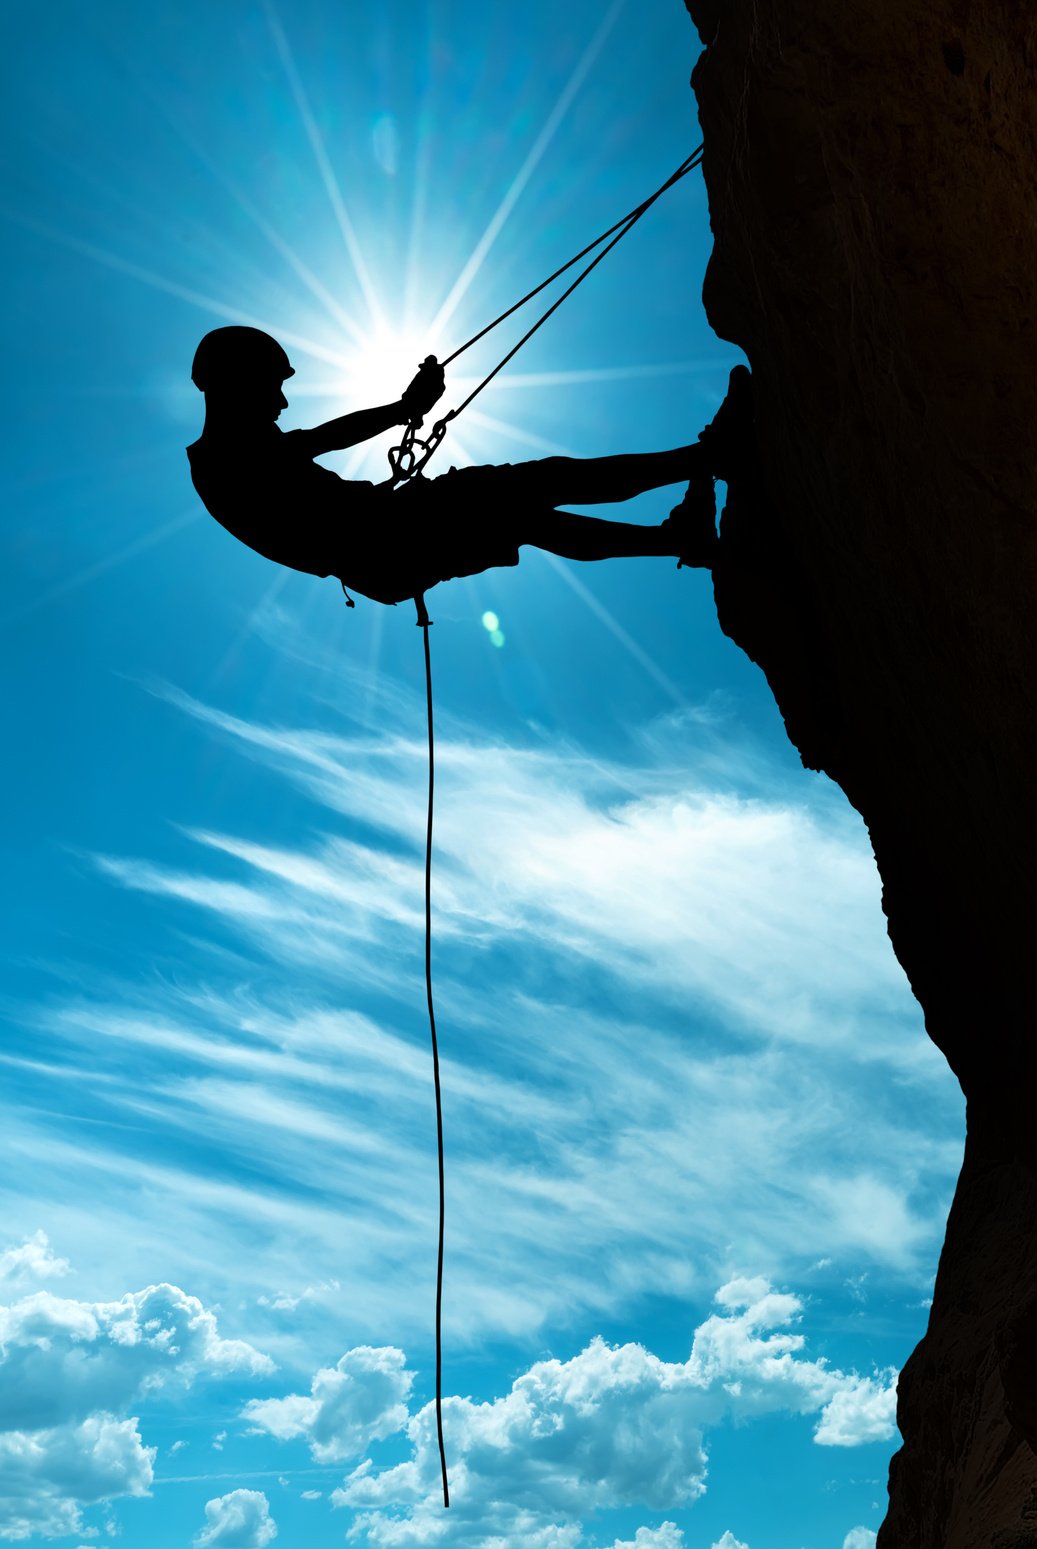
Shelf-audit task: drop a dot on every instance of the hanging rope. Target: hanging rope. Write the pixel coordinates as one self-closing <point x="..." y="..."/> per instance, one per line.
<point x="423" y="623"/>
<point x="407" y="460"/>
<point x="413" y="453"/>
<point x="626" y="222"/>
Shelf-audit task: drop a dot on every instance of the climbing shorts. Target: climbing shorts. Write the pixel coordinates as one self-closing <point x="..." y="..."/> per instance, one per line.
<point x="430" y="530"/>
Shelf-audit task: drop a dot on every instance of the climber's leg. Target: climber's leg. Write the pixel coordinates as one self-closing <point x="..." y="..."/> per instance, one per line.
<point x="688" y="534"/>
<point x="553" y="481"/>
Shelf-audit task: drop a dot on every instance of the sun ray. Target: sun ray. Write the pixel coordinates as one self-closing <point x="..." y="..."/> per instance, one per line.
<point x="415" y="270"/>
<point x="327" y="172"/>
<point x="617" y="631"/>
<point x="514" y="433"/>
<point x="131" y="550"/>
<point x="525" y="172"/>
<point x="459" y="455"/>
<point x="230" y="655"/>
<point x="196" y="298"/>
<point x="314" y="285"/>
<point x="524" y="379"/>
<point x="355" y="460"/>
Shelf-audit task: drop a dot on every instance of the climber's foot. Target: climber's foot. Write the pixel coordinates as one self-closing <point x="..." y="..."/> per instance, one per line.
<point x="731" y="426"/>
<point x="694" y="526"/>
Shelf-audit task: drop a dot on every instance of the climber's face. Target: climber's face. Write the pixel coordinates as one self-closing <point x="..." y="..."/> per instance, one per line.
<point x="251" y="400"/>
<point x="269" y="400"/>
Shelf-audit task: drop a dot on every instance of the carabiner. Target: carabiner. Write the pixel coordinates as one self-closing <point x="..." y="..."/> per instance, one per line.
<point x="413" y="453"/>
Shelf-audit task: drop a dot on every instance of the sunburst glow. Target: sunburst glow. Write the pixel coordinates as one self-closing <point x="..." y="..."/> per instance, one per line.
<point x="383" y="363"/>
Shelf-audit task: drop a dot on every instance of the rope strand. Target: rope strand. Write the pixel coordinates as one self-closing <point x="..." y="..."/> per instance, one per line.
<point x="634" y="214"/>
<point x="435" y="1063"/>
<point x="624" y="226"/>
<point x="616" y="232"/>
<point x="406" y="461"/>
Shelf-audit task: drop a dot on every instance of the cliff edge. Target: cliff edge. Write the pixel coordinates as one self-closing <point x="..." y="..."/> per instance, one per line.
<point x="872" y="178"/>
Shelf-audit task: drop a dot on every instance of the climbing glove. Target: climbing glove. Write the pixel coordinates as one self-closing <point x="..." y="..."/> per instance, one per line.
<point x="428" y="386"/>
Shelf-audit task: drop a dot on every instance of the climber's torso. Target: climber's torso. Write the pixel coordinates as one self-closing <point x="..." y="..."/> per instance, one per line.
<point x="264" y="488"/>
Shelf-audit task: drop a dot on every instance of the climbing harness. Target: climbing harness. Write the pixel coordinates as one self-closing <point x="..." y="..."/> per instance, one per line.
<point x="407" y="461"/>
<point x="413" y="452"/>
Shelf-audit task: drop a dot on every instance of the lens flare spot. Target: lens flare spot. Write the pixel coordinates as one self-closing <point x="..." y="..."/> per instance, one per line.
<point x="496" y="637"/>
<point x="490" y="622"/>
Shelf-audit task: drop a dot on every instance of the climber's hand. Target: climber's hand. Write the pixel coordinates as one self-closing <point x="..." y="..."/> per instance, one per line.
<point x="427" y="387"/>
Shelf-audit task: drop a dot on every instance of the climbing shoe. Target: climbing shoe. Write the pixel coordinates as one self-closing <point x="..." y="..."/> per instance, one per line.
<point x="694" y="525"/>
<point x="732" y="427"/>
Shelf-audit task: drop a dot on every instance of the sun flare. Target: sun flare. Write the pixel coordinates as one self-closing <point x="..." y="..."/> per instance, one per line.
<point x="383" y="362"/>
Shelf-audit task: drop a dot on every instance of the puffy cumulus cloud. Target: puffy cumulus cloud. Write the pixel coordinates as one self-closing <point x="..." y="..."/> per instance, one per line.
<point x="666" y="1536"/>
<point x="64" y="1359"/>
<point x="729" y="1541"/>
<point x="240" y="1520"/>
<point x="31" y="1261"/>
<point x="751" y="1369"/>
<point x="613" y="1426"/>
<point x="361" y="1399"/>
<point x="47" y="1475"/>
<point x="862" y="1411"/>
<point x="69" y="1371"/>
<point x="859" y="1538"/>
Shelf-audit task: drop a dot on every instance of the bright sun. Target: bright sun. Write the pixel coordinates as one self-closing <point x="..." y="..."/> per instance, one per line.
<point x="382" y="364"/>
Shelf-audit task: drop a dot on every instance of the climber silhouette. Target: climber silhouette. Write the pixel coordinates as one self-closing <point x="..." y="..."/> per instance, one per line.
<point x="391" y="544"/>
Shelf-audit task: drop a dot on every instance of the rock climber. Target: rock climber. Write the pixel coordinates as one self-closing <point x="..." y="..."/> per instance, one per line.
<point x="390" y="544"/>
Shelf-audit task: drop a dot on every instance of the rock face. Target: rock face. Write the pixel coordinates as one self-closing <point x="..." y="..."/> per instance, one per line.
<point x="872" y="176"/>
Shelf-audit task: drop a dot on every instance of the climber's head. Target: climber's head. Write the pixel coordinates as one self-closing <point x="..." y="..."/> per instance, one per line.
<point x="242" y="369"/>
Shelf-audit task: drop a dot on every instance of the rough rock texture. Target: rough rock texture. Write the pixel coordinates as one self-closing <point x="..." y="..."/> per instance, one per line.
<point x="872" y="175"/>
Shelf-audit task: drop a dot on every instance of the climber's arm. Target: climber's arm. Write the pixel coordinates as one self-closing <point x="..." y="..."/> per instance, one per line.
<point x="336" y="435"/>
<point x="351" y="429"/>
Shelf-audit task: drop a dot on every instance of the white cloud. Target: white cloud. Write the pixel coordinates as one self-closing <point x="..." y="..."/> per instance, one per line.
<point x="718" y="877"/>
<point x="611" y="1427"/>
<point x="62" y="1359"/>
<point x="31" y="1260"/>
<point x="657" y="1085"/>
<point x="729" y="1541"/>
<point x="666" y="1536"/>
<point x="67" y="1369"/>
<point x="47" y="1475"/>
<point x="240" y="1520"/>
<point x="859" y="1538"/>
<point x="285" y="1301"/>
<point x="733" y="889"/>
<point x="860" y="1413"/>
<point x="361" y="1399"/>
<point x="742" y="1291"/>
<point x="745" y="995"/>
<point x="760" y="1370"/>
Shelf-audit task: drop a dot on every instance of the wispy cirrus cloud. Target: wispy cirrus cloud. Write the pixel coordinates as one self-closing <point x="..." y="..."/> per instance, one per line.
<point x="663" y="871"/>
<point x="653" y="974"/>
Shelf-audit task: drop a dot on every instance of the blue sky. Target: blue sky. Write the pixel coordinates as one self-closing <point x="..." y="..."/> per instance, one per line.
<point x="699" y="1149"/>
